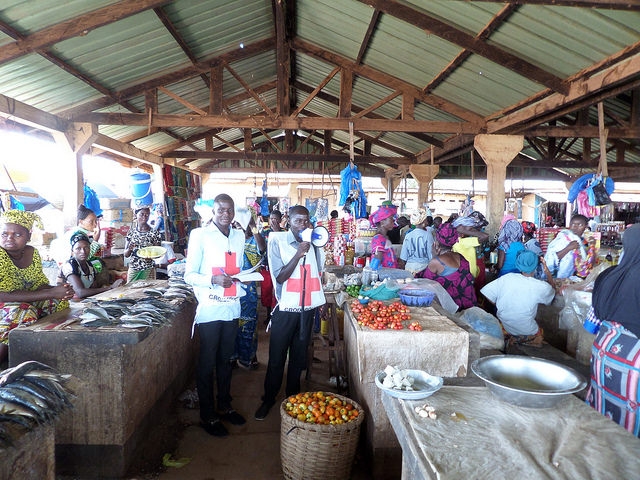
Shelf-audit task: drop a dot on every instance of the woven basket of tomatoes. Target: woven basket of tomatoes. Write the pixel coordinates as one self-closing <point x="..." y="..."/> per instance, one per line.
<point x="319" y="433"/>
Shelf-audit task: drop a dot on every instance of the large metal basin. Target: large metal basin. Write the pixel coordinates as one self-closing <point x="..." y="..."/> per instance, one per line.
<point x="528" y="381"/>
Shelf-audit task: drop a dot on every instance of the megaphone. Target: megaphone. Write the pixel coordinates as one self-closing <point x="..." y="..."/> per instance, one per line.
<point x="318" y="236"/>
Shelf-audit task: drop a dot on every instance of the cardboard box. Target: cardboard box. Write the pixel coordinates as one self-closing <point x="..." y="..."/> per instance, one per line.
<point x="122" y="215"/>
<point x="115" y="203"/>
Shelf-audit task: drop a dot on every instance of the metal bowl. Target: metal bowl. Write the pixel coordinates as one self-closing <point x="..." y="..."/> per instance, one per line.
<point x="528" y="381"/>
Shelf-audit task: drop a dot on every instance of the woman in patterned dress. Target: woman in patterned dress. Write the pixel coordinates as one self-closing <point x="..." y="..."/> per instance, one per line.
<point x="141" y="235"/>
<point x="451" y="269"/>
<point x="25" y="293"/>
<point x="615" y="362"/>
<point x="247" y="338"/>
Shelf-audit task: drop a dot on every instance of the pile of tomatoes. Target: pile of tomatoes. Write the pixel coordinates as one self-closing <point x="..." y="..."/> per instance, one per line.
<point x="322" y="408"/>
<point x="380" y="316"/>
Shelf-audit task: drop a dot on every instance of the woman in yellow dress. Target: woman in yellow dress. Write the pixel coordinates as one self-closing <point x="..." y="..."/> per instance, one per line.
<point x="25" y="293"/>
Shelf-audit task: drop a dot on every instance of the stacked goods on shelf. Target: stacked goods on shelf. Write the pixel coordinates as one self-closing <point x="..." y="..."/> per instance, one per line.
<point x="364" y="229"/>
<point x="182" y="189"/>
<point x="546" y="235"/>
<point x="117" y="217"/>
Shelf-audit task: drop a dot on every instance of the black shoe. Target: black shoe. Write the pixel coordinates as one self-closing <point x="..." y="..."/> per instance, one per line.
<point x="233" y="417"/>
<point x="215" y="428"/>
<point x="252" y="365"/>
<point x="263" y="411"/>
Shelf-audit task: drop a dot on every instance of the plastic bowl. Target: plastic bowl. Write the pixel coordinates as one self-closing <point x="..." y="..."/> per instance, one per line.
<point x="363" y="301"/>
<point x="416" y="298"/>
<point x="425" y="385"/>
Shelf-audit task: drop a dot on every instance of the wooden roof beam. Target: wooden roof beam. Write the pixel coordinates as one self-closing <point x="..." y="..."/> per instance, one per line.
<point x="476" y="45"/>
<point x="373" y="23"/>
<point x="385" y="79"/>
<point x="488" y="29"/>
<point x="604" y="4"/>
<point x="583" y="91"/>
<point x="424" y="137"/>
<point x="173" y="77"/>
<point x="75" y="27"/>
<point x="168" y="24"/>
<point x="261" y="121"/>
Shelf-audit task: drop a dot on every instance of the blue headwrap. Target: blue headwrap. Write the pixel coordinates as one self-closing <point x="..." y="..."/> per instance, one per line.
<point x="526" y="261"/>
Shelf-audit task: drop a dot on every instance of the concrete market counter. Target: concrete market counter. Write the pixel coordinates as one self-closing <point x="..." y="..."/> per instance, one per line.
<point x="124" y="379"/>
<point x="441" y="348"/>
<point x="478" y="436"/>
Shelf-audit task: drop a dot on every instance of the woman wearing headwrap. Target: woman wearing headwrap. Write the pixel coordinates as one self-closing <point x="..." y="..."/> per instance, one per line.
<point x="528" y="236"/>
<point x="78" y="271"/>
<point x="417" y="247"/>
<point x="470" y="237"/>
<point x="141" y="235"/>
<point x="450" y="269"/>
<point x="25" y="293"/>
<point x="516" y="296"/>
<point x="382" y="253"/>
<point x="509" y="245"/>
<point x="615" y="363"/>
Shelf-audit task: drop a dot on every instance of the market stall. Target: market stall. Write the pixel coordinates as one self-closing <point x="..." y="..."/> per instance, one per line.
<point x="124" y="379"/>
<point x="476" y="435"/>
<point x="441" y="348"/>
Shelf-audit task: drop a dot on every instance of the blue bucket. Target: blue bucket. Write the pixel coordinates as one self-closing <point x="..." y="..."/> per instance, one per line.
<point x="141" y="190"/>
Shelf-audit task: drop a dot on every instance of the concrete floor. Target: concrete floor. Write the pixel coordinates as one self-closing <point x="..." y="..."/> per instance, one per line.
<point x="251" y="451"/>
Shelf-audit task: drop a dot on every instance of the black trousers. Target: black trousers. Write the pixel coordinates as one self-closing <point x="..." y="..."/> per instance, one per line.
<point x="286" y="340"/>
<point x="217" y="343"/>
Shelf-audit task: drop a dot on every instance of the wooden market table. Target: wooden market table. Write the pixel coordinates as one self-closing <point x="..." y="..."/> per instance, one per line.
<point x="478" y="436"/>
<point x="441" y="348"/>
<point x="124" y="379"/>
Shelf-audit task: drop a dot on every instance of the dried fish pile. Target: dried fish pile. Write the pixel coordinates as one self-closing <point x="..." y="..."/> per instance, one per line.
<point x="31" y="394"/>
<point x="155" y="309"/>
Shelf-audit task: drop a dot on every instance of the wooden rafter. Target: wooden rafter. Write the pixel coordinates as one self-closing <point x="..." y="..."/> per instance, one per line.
<point x="476" y="45"/>
<point x="385" y="79"/>
<point x="74" y="27"/>
<point x="485" y="32"/>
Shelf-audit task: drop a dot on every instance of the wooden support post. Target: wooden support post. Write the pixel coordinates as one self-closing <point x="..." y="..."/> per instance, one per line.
<point x="497" y="151"/>
<point x="424" y="174"/>
<point x="76" y="140"/>
<point x="390" y="181"/>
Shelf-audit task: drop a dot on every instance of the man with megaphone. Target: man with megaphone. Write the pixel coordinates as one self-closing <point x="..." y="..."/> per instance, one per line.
<point x="296" y="264"/>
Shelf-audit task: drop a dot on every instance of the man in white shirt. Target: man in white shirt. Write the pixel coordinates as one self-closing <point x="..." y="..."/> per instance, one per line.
<point x="215" y="253"/>
<point x="517" y="295"/>
<point x="296" y="268"/>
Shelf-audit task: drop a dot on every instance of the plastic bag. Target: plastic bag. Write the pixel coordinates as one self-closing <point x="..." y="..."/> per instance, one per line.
<point x="601" y="197"/>
<point x="384" y="291"/>
<point x="486" y="325"/>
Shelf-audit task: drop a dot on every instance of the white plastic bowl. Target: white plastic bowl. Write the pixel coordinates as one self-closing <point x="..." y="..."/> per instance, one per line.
<point x="424" y="385"/>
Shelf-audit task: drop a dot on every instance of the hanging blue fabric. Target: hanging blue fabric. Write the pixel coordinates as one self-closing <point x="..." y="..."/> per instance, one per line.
<point x="16" y="204"/>
<point x="351" y="192"/>
<point x="91" y="200"/>
<point x="583" y="182"/>
<point x="264" y="201"/>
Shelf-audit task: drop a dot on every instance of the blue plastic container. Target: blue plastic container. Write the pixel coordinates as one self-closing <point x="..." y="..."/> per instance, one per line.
<point x="141" y="190"/>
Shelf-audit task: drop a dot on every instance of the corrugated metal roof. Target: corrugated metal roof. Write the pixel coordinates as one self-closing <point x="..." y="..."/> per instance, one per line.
<point x="113" y="64"/>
